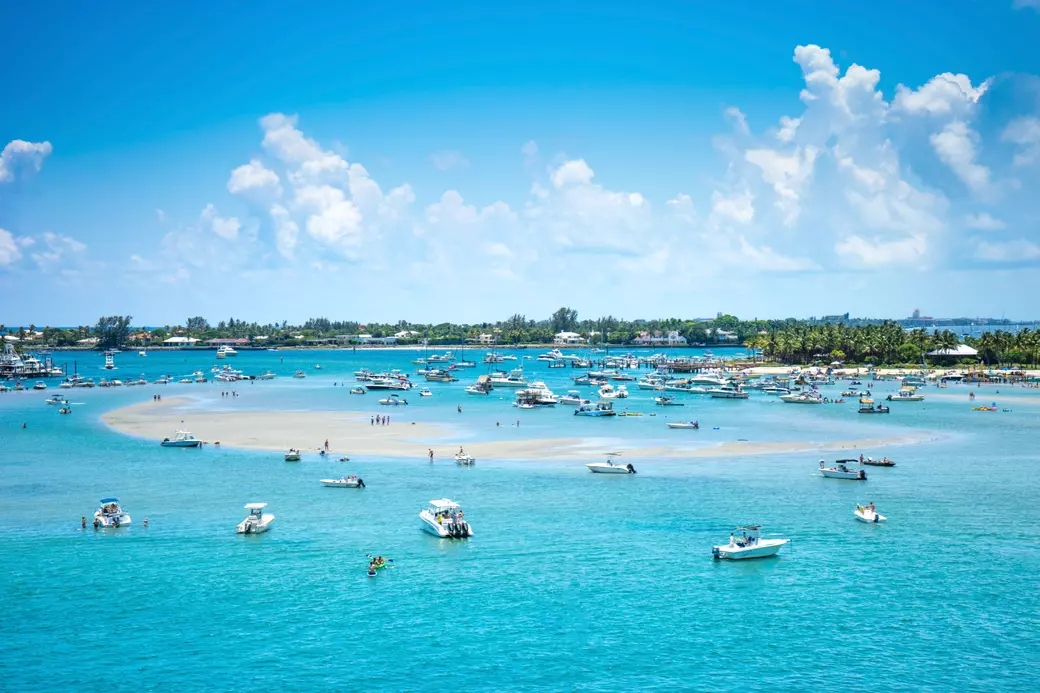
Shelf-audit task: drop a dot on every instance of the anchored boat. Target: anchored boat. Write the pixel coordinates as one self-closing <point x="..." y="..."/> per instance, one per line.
<point x="747" y="542"/>
<point x="444" y="518"/>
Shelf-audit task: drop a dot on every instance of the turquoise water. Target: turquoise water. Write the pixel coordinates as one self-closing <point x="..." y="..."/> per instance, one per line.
<point x="573" y="581"/>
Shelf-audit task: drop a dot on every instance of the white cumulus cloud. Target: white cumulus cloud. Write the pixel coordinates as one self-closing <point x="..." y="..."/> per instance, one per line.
<point x="255" y="179"/>
<point x="19" y="155"/>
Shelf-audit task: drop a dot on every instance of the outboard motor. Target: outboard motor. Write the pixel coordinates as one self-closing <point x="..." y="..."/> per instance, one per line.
<point x="863" y="475"/>
<point x="361" y="482"/>
<point x="715" y="553"/>
<point x="631" y="469"/>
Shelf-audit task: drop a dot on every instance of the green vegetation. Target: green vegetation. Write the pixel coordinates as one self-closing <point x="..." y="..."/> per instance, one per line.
<point x="787" y="341"/>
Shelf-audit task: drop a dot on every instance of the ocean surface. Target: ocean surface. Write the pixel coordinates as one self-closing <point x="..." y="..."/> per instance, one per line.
<point x="572" y="582"/>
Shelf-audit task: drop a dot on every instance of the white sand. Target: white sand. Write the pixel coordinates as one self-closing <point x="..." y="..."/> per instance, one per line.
<point x="352" y="433"/>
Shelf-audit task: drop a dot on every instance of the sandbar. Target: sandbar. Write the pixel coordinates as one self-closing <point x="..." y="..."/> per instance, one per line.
<point x="352" y="433"/>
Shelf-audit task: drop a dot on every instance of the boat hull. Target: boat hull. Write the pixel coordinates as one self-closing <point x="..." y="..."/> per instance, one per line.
<point x="868" y="517"/>
<point x="181" y="443"/>
<point x="764" y="549"/>
<point x="601" y="468"/>
<point x="837" y="474"/>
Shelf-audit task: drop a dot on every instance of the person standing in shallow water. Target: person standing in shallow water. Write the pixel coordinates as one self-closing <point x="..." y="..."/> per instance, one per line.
<point x="431" y="455"/>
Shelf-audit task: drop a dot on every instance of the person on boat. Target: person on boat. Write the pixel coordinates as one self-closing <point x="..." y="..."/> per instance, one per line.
<point x="871" y="508"/>
<point x="861" y="458"/>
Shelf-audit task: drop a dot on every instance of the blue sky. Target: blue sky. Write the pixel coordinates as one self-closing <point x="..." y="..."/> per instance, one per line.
<point x="464" y="161"/>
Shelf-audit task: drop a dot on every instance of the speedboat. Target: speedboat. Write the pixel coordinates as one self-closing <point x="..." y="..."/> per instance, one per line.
<point x="841" y="470"/>
<point x="344" y="482"/>
<point x="358" y="390"/>
<point x="465" y="460"/>
<point x="266" y="375"/>
<point x="56" y="399"/>
<point x="425" y="392"/>
<point x="40" y="385"/>
<point x="866" y="513"/>
<point x="111" y="514"/>
<point x="685" y="424"/>
<point x="609" y="467"/>
<point x="257" y="522"/>
<point x="444" y="518"/>
<point x="728" y="391"/>
<point x="748" y="544"/>
<point x="292" y="456"/>
<point x="181" y="439"/>
<point x="598" y="409"/>
<point x="807" y="397"/>
<point x="775" y="390"/>
<point x="393" y="401"/>
<point x="514" y="378"/>
<point x="610" y="392"/>
<point x="299" y="375"/>
<point x="478" y="390"/>
<point x="667" y="401"/>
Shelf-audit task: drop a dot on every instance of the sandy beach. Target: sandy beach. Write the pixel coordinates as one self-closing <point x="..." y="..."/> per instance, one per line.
<point x="351" y="433"/>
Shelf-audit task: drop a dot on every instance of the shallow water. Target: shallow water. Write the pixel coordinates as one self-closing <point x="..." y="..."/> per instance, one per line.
<point x="573" y="581"/>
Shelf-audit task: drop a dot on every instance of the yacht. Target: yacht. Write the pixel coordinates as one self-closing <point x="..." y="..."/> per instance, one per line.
<point x="393" y="401"/>
<point x="181" y="439"/>
<point x="111" y="514"/>
<point x="515" y="378"/>
<point x="446" y="357"/>
<point x="444" y="518"/>
<point x="728" y="391"/>
<point x="344" y="482"/>
<point x="598" y="409"/>
<point x="841" y="470"/>
<point x="868" y="514"/>
<point x="650" y="384"/>
<point x="775" y="390"/>
<point x="482" y="387"/>
<point x="707" y="380"/>
<point x="537" y="394"/>
<point x="574" y="398"/>
<point x="609" y="467"/>
<point x="747" y="542"/>
<point x="554" y="355"/>
<point x="807" y="397"/>
<point x="257" y="522"/>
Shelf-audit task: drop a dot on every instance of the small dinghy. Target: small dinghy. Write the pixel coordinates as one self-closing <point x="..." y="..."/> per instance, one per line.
<point x="376" y="563"/>
<point x="878" y="463"/>
<point x="465" y="460"/>
<point x="866" y="513"/>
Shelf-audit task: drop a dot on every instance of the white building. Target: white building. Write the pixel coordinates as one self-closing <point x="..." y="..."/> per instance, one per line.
<point x="369" y="339"/>
<point x="672" y="338"/>
<point x="406" y="334"/>
<point x="567" y="338"/>
<point x="180" y="341"/>
<point x="484" y="338"/>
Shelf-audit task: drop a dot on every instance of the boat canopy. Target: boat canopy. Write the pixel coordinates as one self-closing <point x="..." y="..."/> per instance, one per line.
<point x="866" y="400"/>
<point x="748" y="528"/>
<point x="444" y="504"/>
<point x="846" y="461"/>
<point x="105" y="501"/>
<point x="255" y="506"/>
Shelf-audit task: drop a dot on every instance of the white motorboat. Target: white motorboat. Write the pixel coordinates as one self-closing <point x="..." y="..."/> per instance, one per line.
<point x="608" y="391"/>
<point x="728" y="391"/>
<point x="775" y="390"/>
<point x="299" y="375"/>
<point x="142" y="353"/>
<point x="226" y="350"/>
<point x="425" y="392"/>
<point x="597" y="409"/>
<point x="747" y="542"/>
<point x="444" y="518"/>
<point x="181" y="439"/>
<point x="344" y="482"/>
<point x="358" y="390"/>
<point x="537" y="395"/>
<point x="393" y="401"/>
<point x="257" y="522"/>
<point x="39" y="385"/>
<point x="650" y="384"/>
<point x="110" y="361"/>
<point x="667" y="401"/>
<point x="111" y="514"/>
<point x="56" y="399"/>
<point x="266" y="375"/>
<point x="807" y="397"/>
<point x="573" y="397"/>
<point x="293" y="455"/>
<point x="465" y="460"/>
<point x="609" y="467"/>
<point x="842" y="470"/>
<point x="868" y="514"/>
<point x="685" y="424"/>
<point x="906" y="394"/>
